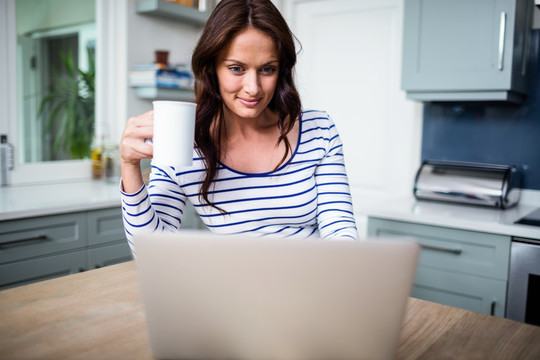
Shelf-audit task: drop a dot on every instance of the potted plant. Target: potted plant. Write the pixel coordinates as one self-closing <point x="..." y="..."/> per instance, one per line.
<point x="69" y="107"/>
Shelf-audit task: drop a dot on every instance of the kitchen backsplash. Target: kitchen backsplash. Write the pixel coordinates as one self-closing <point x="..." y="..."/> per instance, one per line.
<point x="489" y="132"/>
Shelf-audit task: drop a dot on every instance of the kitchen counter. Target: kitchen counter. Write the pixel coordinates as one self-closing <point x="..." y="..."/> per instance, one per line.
<point x="47" y="199"/>
<point x="465" y="217"/>
<point x="98" y="314"/>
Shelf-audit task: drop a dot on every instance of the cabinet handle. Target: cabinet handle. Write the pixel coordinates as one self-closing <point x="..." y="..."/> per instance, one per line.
<point x="455" y="251"/>
<point x="502" y="35"/>
<point x="18" y="241"/>
<point x="492" y="310"/>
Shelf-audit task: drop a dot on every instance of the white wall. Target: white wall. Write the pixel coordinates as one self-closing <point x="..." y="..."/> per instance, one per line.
<point x="350" y="66"/>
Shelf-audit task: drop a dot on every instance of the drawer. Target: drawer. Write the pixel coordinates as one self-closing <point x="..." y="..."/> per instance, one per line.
<point x="105" y="226"/>
<point x="31" y="237"/>
<point x="48" y="267"/>
<point x="460" y="251"/>
<point x="473" y="293"/>
<point x="109" y="255"/>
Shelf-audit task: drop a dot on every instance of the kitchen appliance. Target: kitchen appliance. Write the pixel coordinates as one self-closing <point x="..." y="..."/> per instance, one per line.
<point x="523" y="299"/>
<point x="469" y="183"/>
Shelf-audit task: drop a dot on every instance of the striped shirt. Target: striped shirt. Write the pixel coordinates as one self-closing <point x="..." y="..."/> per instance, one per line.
<point x="307" y="196"/>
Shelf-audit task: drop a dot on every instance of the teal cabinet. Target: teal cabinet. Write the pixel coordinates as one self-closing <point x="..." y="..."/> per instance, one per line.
<point x="467" y="269"/>
<point x="31" y="237"/>
<point x="34" y="249"/>
<point x="466" y="50"/>
<point x="107" y="244"/>
<point x="42" y="268"/>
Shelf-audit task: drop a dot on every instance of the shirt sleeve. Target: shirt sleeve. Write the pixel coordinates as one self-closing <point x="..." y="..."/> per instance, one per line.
<point x="156" y="207"/>
<point x="335" y="215"/>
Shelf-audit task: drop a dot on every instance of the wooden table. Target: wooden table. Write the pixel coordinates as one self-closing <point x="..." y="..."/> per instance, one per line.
<point x="98" y="315"/>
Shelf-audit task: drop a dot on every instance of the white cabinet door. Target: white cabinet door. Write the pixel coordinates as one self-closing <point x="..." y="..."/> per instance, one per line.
<point x="349" y="65"/>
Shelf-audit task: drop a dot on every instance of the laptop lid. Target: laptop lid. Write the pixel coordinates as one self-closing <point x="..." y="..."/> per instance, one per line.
<point x="209" y="296"/>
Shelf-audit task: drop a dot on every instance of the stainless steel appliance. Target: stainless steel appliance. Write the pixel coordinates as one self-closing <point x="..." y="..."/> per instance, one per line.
<point x="523" y="299"/>
<point x="468" y="183"/>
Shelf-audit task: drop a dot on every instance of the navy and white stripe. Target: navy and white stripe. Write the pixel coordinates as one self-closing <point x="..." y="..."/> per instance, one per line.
<point x="308" y="196"/>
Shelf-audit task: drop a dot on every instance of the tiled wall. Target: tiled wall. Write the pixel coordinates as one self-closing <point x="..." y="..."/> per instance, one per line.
<point x="489" y="132"/>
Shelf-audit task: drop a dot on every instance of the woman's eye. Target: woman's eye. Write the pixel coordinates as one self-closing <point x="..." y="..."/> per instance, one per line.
<point x="235" y="69"/>
<point x="268" y="70"/>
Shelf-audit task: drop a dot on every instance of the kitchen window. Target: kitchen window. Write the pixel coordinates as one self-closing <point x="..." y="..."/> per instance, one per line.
<point x="42" y="38"/>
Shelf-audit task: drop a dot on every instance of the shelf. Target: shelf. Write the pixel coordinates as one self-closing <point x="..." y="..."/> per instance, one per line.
<point x="155" y="93"/>
<point x="164" y="9"/>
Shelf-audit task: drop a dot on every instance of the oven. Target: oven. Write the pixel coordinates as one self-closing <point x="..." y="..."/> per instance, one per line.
<point x="523" y="300"/>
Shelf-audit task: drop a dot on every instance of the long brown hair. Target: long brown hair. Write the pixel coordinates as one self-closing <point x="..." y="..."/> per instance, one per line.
<point x="228" y="19"/>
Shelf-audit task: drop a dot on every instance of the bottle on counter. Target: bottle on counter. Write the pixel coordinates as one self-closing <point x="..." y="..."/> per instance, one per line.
<point x="111" y="159"/>
<point x="6" y="160"/>
<point x="96" y="155"/>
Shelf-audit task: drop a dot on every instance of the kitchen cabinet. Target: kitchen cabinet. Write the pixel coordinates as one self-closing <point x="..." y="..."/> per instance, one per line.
<point x="467" y="269"/>
<point x="466" y="50"/>
<point x="39" y="248"/>
<point x="32" y="237"/>
<point x="107" y="244"/>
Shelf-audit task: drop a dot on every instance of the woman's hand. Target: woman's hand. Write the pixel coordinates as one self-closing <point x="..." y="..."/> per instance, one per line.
<point x="133" y="149"/>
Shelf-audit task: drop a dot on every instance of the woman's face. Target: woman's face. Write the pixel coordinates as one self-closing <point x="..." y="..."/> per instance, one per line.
<point x="247" y="71"/>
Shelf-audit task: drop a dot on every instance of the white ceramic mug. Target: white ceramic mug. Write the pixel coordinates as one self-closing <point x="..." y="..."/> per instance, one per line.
<point x="174" y="130"/>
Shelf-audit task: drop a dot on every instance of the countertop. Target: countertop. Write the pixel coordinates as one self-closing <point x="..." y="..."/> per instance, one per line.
<point x="47" y="199"/>
<point x="466" y="217"/>
<point x="98" y="314"/>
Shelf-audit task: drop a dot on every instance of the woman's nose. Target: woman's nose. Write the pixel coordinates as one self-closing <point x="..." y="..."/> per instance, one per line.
<point x="251" y="83"/>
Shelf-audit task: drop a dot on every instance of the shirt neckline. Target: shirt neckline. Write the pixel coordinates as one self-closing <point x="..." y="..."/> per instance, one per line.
<point x="282" y="166"/>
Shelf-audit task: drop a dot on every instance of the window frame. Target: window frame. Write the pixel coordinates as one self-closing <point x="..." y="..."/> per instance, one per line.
<point x="111" y="91"/>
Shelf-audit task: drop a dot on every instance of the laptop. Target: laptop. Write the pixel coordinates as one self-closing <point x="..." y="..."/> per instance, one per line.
<point x="209" y="296"/>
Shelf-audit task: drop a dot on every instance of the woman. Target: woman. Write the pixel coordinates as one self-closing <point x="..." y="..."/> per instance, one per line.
<point x="261" y="165"/>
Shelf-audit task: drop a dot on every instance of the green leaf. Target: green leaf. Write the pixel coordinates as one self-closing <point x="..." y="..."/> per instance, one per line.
<point x="69" y="107"/>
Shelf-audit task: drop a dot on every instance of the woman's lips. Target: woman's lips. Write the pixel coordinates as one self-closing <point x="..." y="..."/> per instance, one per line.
<point x="249" y="102"/>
